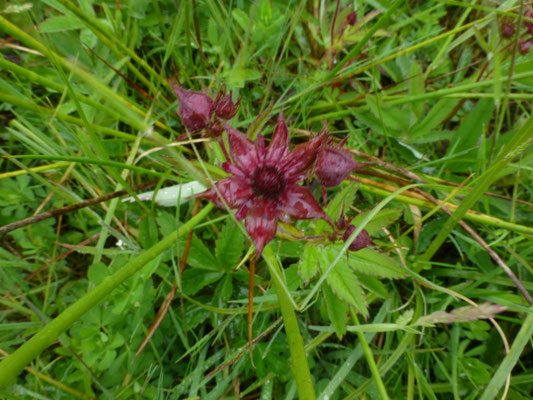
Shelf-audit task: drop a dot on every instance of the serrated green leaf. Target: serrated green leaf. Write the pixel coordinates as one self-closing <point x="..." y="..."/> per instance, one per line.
<point x="199" y="255"/>
<point x="229" y="246"/>
<point x="224" y="289"/>
<point x="97" y="273"/>
<point x="383" y="218"/>
<point x="308" y="265"/>
<point x="373" y="285"/>
<point x="397" y="119"/>
<point x="371" y="262"/>
<point x="337" y="312"/>
<point x="148" y="232"/>
<point x="166" y="222"/>
<point x="194" y="279"/>
<point x="342" y="280"/>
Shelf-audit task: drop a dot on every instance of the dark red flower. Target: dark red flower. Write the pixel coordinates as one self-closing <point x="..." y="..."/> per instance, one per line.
<point x="507" y="29"/>
<point x="352" y="18"/>
<point x="333" y="165"/>
<point x="361" y="241"/>
<point x="264" y="182"/>
<point x="215" y="130"/>
<point x="524" y="46"/>
<point x="224" y="106"/>
<point x="195" y="108"/>
<point x="528" y="16"/>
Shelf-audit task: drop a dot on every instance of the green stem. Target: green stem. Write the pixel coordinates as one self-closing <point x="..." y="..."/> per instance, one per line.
<point x="370" y="358"/>
<point x="299" y="365"/>
<point x="11" y="366"/>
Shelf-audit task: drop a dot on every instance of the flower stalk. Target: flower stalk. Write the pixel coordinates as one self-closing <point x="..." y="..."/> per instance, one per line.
<point x="298" y="361"/>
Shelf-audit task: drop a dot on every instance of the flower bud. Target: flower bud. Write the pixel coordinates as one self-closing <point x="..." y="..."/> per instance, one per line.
<point x="216" y="129"/>
<point x="224" y="106"/>
<point x="507" y="29"/>
<point x="333" y="165"/>
<point x="362" y="240"/>
<point x="195" y="108"/>
<point x="352" y="18"/>
<point x="528" y="15"/>
<point x="524" y="46"/>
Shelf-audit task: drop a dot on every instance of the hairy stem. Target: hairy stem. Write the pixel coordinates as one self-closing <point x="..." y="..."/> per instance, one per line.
<point x="299" y="365"/>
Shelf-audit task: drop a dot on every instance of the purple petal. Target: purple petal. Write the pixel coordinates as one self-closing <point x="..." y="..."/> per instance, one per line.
<point x="361" y="241"/>
<point x="232" y="169"/>
<point x="301" y="158"/>
<point x="243" y="151"/>
<point x="279" y="146"/>
<point x="298" y="203"/>
<point x="260" y="225"/>
<point x="235" y="191"/>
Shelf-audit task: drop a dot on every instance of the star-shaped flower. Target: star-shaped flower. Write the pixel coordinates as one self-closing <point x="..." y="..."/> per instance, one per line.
<point x="264" y="185"/>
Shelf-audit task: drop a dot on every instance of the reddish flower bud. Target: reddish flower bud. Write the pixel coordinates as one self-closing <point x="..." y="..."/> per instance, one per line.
<point x="361" y="241"/>
<point x="528" y="15"/>
<point x="524" y="46"/>
<point x="333" y="165"/>
<point x="195" y="108"/>
<point x="224" y="106"/>
<point x="508" y="29"/>
<point x="352" y="18"/>
<point x="215" y="130"/>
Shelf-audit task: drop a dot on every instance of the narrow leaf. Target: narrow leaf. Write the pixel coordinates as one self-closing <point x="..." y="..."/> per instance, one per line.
<point x="337" y="312"/>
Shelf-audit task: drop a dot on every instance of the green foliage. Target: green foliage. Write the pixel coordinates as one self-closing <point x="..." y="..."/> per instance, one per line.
<point x="430" y="88"/>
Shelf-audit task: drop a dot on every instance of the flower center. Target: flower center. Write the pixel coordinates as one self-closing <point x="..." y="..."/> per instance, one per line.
<point x="268" y="182"/>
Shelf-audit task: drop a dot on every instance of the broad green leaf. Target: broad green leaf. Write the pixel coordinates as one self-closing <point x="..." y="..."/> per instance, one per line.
<point x="241" y="17"/>
<point x="224" y="289"/>
<point x="385" y="217"/>
<point x="434" y="117"/>
<point x="97" y="273"/>
<point x="212" y="32"/>
<point x="229" y="245"/>
<point x="194" y="279"/>
<point x="166" y="222"/>
<point x="342" y="280"/>
<point x="337" y="312"/>
<point x="199" y="255"/>
<point x="373" y="285"/>
<point x="397" y="119"/>
<point x="371" y="262"/>
<point x="60" y="24"/>
<point x="308" y="265"/>
<point x="148" y="234"/>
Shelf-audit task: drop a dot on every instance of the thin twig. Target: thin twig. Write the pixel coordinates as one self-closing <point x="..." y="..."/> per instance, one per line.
<point x="250" y="308"/>
<point x="74" y="207"/>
